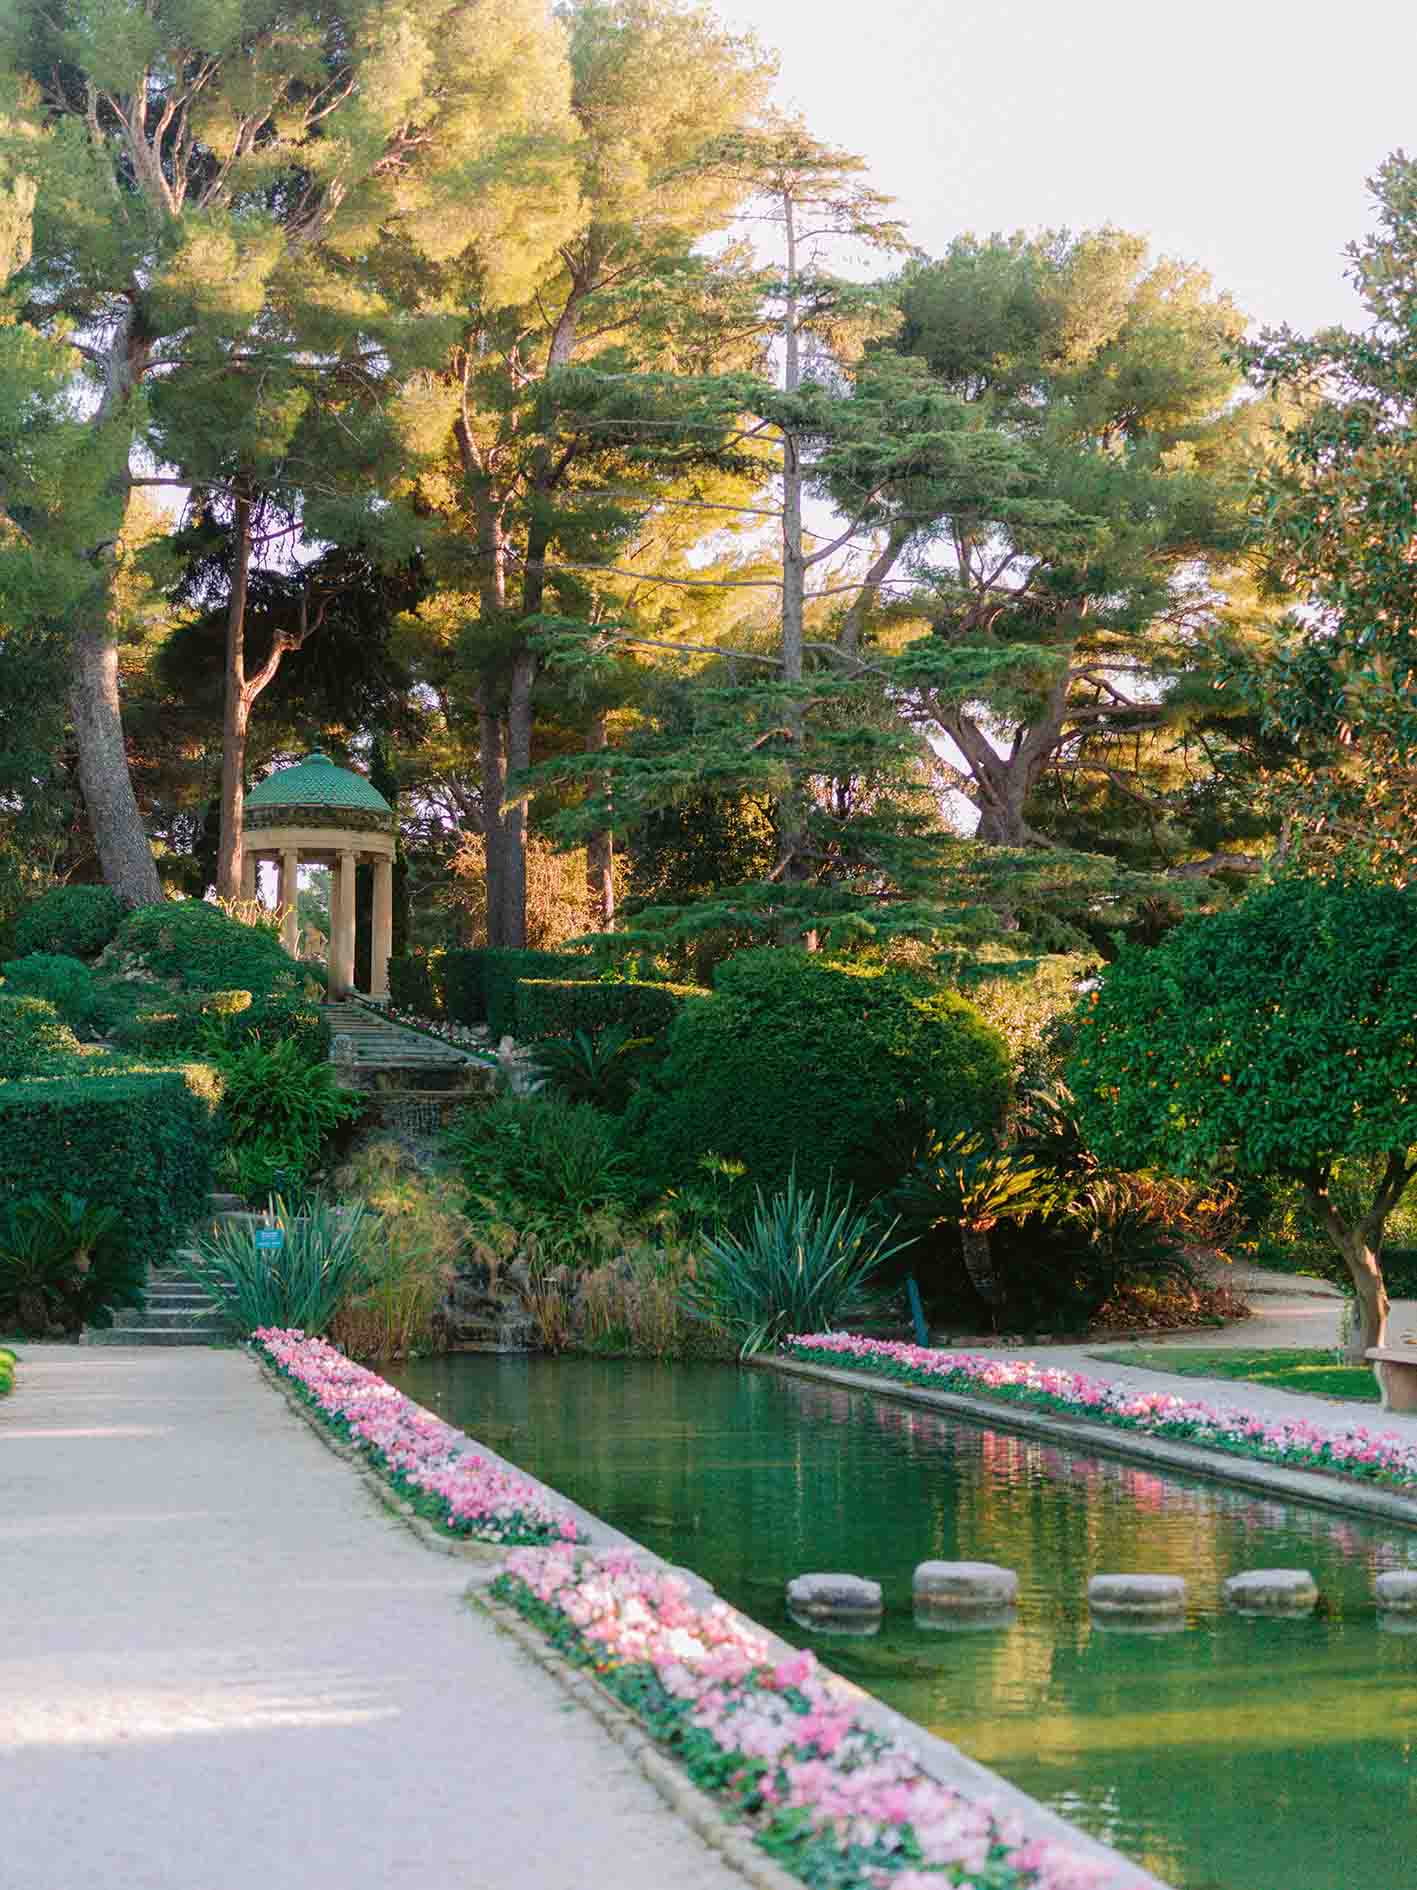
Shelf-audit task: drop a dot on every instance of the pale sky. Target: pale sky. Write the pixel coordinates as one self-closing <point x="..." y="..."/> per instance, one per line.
<point x="1237" y="134"/>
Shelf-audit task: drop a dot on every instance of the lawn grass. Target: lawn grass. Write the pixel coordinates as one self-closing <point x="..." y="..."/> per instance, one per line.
<point x="7" y="1371"/>
<point x="1313" y="1370"/>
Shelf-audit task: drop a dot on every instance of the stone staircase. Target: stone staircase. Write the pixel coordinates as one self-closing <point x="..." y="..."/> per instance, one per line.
<point x="175" y="1310"/>
<point x="379" y="1047"/>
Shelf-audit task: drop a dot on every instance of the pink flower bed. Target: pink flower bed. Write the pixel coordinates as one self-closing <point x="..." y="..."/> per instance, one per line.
<point x="832" y="1799"/>
<point x="435" y="1466"/>
<point x="1350" y="1449"/>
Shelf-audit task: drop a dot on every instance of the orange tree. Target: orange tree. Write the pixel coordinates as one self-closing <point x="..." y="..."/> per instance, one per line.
<point x="1276" y="1041"/>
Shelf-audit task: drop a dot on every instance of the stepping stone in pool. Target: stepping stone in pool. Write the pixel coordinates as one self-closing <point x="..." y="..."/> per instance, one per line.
<point x="1272" y="1591"/>
<point x="847" y="1604"/>
<point x="1396" y="1590"/>
<point x="1137" y="1599"/>
<point x="952" y="1588"/>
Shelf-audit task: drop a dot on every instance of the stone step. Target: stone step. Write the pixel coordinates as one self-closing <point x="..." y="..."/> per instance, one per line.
<point x="162" y="1300"/>
<point x="146" y="1335"/>
<point x="176" y="1318"/>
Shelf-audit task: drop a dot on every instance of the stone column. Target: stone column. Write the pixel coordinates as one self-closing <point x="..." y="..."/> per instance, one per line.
<point x="248" y="873"/>
<point x="382" y="941"/>
<point x="342" y="927"/>
<point x="286" y="899"/>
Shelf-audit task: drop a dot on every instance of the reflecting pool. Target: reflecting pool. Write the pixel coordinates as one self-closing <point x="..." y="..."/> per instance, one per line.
<point x="1235" y="1755"/>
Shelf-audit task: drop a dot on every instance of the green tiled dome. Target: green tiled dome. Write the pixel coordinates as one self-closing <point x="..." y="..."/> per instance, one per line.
<point x="317" y="782"/>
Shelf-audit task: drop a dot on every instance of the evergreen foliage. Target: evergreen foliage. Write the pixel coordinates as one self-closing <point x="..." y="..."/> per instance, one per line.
<point x="804" y="1064"/>
<point x="558" y="1007"/>
<point x="72" y="921"/>
<point x="34" y="1039"/>
<point x="1271" y="1041"/>
<point x="198" y="947"/>
<point x="143" y="1142"/>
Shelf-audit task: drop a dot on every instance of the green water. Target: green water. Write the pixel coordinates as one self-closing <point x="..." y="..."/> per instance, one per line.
<point x="1236" y="1755"/>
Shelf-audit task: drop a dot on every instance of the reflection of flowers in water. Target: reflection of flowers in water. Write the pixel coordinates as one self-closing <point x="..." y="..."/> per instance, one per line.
<point x="818" y="1785"/>
<point x="1352" y="1450"/>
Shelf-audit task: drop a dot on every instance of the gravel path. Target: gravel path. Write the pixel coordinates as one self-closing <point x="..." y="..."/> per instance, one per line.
<point x="224" y="1666"/>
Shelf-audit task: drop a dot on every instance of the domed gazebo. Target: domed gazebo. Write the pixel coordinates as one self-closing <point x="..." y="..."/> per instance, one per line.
<point x="323" y="815"/>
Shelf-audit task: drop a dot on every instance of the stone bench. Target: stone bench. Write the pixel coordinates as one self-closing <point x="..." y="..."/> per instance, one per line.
<point x="1396" y="1367"/>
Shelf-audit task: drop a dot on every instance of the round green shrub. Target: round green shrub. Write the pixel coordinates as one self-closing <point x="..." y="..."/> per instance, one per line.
<point x="34" y="1039"/>
<point x="199" y="948"/>
<point x="800" y="1061"/>
<point x="66" y="983"/>
<point x="76" y="921"/>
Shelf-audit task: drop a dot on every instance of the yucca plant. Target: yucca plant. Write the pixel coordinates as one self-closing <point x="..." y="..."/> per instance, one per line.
<point x="804" y="1263"/>
<point x="319" y="1264"/>
<point x="591" y="1067"/>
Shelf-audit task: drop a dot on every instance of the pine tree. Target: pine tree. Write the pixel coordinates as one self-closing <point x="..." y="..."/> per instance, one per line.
<point x="193" y="167"/>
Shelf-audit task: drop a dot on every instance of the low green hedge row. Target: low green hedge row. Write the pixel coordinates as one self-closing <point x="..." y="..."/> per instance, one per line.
<point x="141" y="1139"/>
<point x="479" y="987"/>
<point x="558" y="1007"/>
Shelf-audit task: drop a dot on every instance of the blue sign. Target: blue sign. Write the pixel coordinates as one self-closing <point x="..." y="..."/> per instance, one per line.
<point x="268" y="1239"/>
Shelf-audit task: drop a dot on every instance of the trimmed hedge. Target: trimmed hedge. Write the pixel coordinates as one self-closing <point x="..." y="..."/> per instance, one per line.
<point x="558" y="1007"/>
<point x="34" y="1039"/>
<point x="502" y="971"/>
<point x="464" y="997"/>
<point x="75" y="921"/>
<point x="800" y="1060"/>
<point x="480" y="987"/>
<point x="141" y="1140"/>
<point x="416" y="982"/>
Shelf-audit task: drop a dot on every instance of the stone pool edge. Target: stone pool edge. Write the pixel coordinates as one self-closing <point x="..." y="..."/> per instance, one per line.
<point x="944" y="1762"/>
<point x="1316" y="1487"/>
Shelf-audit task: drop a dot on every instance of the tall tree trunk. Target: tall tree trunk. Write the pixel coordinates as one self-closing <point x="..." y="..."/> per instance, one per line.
<point x="1370" y="1326"/>
<point x="123" y="850"/>
<point x="109" y="800"/>
<point x="492" y="752"/>
<point x="1361" y="1245"/>
<point x="236" y="718"/>
<point x="792" y="807"/>
<point x="514" y="817"/>
<point x="600" y="847"/>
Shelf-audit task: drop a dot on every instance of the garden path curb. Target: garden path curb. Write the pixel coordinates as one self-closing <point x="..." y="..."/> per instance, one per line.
<point x="944" y="1762"/>
<point x="1317" y="1487"/>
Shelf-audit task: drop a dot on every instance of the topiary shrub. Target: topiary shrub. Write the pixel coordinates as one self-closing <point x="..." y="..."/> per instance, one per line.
<point x="416" y="982"/>
<point x="34" y="1039"/>
<point x="141" y="1140"/>
<point x="803" y="1062"/>
<point x="197" y="947"/>
<point x="66" y="983"/>
<point x="558" y="1007"/>
<point x="77" y="921"/>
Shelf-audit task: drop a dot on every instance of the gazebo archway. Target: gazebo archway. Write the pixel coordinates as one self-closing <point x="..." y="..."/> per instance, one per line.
<point x="318" y="814"/>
